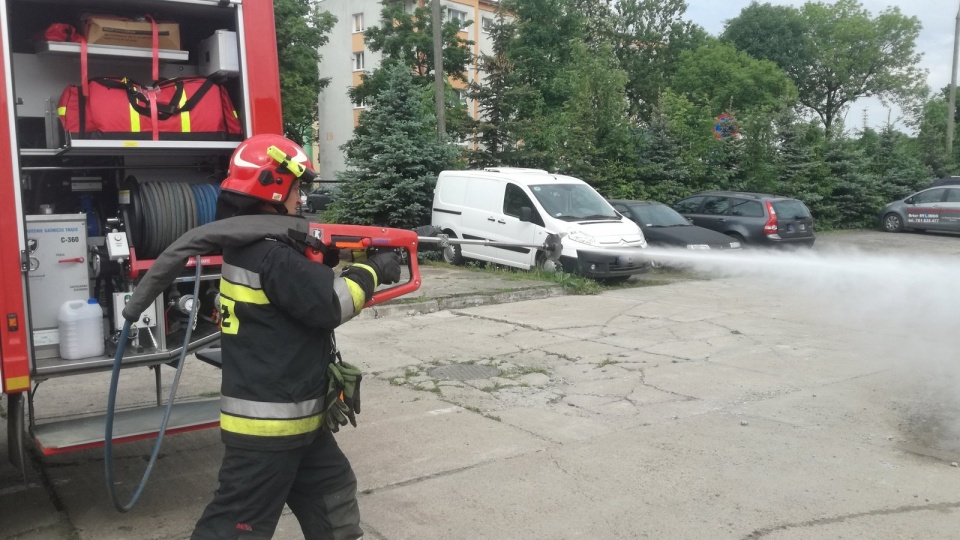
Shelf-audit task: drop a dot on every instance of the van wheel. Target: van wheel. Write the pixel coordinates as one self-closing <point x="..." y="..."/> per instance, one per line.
<point x="451" y="253"/>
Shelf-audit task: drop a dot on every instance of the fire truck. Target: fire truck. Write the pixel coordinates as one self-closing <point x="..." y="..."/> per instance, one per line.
<point x="85" y="212"/>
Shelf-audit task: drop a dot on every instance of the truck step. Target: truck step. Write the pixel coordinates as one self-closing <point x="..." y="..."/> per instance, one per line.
<point x="129" y="425"/>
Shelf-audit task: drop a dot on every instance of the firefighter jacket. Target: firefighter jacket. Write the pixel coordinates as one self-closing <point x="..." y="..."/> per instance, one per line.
<point x="278" y="311"/>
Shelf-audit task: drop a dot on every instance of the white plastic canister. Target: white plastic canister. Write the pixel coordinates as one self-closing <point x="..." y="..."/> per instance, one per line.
<point x="81" y="329"/>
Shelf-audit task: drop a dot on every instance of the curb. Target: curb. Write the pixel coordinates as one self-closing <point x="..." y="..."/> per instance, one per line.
<point x="458" y="302"/>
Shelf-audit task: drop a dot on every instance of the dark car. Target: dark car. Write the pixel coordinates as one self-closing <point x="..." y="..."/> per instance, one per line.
<point x="946" y="181"/>
<point x="663" y="226"/>
<point x="319" y="198"/>
<point x="755" y="219"/>
<point x="935" y="209"/>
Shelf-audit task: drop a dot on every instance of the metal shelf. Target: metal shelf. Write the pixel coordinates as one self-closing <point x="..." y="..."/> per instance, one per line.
<point x="115" y="147"/>
<point x="116" y="51"/>
<point x="56" y="367"/>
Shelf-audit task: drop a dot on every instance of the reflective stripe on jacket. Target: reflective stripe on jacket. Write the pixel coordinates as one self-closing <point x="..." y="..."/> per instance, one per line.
<point x="278" y="311"/>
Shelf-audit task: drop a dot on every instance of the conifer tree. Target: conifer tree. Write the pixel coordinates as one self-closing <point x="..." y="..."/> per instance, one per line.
<point x="393" y="159"/>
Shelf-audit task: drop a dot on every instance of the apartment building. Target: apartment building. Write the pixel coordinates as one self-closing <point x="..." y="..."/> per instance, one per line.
<point x="346" y="56"/>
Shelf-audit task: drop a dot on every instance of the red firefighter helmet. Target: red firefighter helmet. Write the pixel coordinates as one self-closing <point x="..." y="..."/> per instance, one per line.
<point x="266" y="167"/>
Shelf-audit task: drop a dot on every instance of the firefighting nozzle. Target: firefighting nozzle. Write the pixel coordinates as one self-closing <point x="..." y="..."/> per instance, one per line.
<point x="108" y="460"/>
<point x="325" y="236"/>
<point x="287" y="162"/>
<point x="551" y="246"/>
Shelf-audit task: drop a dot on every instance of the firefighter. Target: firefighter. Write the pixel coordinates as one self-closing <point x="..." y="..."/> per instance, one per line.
<point x="278" y="312"/>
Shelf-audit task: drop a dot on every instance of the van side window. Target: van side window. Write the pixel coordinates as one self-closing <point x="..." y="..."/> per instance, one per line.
<point x="514" y="199"/>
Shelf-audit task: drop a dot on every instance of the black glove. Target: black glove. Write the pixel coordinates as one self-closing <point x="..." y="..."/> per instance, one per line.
<point x="331" y="257"/>
<point x="387" y="267"/>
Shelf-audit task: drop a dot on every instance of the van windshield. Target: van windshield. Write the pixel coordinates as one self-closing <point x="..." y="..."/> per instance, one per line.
<point x="573" y="202"/>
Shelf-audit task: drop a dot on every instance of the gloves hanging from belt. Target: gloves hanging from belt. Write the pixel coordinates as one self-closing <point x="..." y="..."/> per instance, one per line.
<point x="342" y="402"/>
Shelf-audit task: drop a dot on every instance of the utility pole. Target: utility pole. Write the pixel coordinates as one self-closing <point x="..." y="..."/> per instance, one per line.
<point x="438" y="89"/>
<point x="951" y="110"/>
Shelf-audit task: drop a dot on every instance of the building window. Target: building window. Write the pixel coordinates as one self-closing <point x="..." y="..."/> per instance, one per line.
<point x="357" y="22"/>
<point x="457" y="15"/>
<point x="358" y="61"/>
<point x="362" y="105"/>
<point x="487" y="24"/>
<point x="461" y="96"/>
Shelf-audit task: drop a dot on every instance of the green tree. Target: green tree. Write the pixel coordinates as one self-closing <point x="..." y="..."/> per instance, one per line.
<point x="393" y="159"/>
<point x="596" y="146"/>
<point x="496" y="99"/>
<point x="730" y="81"/>
<point x="661" y="173"/>
<point x="892" y="157"/>
<point x="931" y="139"/>
<point x="648" y="37"/>
<point x="302" y="28"/>
<point x="836" y="53"/>
<point x="853" y="194"/>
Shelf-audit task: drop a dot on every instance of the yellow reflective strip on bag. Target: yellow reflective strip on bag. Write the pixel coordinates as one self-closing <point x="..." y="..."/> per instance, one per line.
<point x="243" y="294"/>
<point x="62" y="111"/>
<point x="268" y="428"/>
<point x="184" y="116"/>
<point x="134" y="120"/>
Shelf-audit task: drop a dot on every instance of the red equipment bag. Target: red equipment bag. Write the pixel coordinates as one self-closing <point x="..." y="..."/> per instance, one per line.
<point x="59" y="32"/>
<point x="190" y="108"/>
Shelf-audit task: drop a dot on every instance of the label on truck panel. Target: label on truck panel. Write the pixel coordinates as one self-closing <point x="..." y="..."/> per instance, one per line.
<point x="46" y="337"/>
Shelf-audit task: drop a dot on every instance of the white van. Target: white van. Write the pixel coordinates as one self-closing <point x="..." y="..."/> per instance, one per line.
<point x="523" y="206"/>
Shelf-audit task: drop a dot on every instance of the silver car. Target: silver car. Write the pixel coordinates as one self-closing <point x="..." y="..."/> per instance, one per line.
<point x="934" y="209"/>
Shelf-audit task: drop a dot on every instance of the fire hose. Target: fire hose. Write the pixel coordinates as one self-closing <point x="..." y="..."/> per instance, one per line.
<point x="238" y="231"/>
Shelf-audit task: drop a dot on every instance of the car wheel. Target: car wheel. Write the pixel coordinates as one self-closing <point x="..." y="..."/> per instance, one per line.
<point x="451" y="253"/>
<point x="892" y="222"/>
<point x="739" y="238"/>
<point x="310" y="208"/>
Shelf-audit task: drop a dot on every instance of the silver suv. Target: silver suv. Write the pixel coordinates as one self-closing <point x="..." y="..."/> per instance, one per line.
<point x="752" y="218"/>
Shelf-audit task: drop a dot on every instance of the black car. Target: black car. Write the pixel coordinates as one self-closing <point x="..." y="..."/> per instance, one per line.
<point x="663" y="226"/>
<point x="319" y="198"/>
<point x="755" y="219"/>
<point x="945" y="181"/>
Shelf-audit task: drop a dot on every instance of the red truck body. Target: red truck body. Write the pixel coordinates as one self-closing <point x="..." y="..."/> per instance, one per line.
<point x="130" y="196"/>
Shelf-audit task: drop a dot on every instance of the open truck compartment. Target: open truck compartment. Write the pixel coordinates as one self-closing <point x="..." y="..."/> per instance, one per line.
<point x="94" y="209"/>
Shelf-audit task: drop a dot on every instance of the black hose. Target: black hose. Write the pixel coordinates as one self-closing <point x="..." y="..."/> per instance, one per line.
<point x="108" y="460"/>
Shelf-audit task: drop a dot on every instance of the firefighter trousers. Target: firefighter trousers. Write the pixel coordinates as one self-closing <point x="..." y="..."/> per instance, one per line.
<point x="315" y="481"/>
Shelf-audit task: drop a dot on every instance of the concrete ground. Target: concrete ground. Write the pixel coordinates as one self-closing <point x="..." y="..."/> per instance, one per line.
<point x="702" y="408"/>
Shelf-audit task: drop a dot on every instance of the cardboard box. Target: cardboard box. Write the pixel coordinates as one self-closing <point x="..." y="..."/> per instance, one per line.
<point x="106" y="30"/>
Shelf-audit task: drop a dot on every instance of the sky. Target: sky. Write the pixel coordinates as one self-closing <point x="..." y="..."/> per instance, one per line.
<point x="937" y="17"/>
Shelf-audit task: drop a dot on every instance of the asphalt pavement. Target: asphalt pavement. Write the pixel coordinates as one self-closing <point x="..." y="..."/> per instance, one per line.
<point x="502" y="408"/>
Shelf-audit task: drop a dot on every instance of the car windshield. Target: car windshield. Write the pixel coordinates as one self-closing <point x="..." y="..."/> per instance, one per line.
<point x="658" y="215"/>
<point x="790" y="209"/>
<point x="573" y="202"/>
